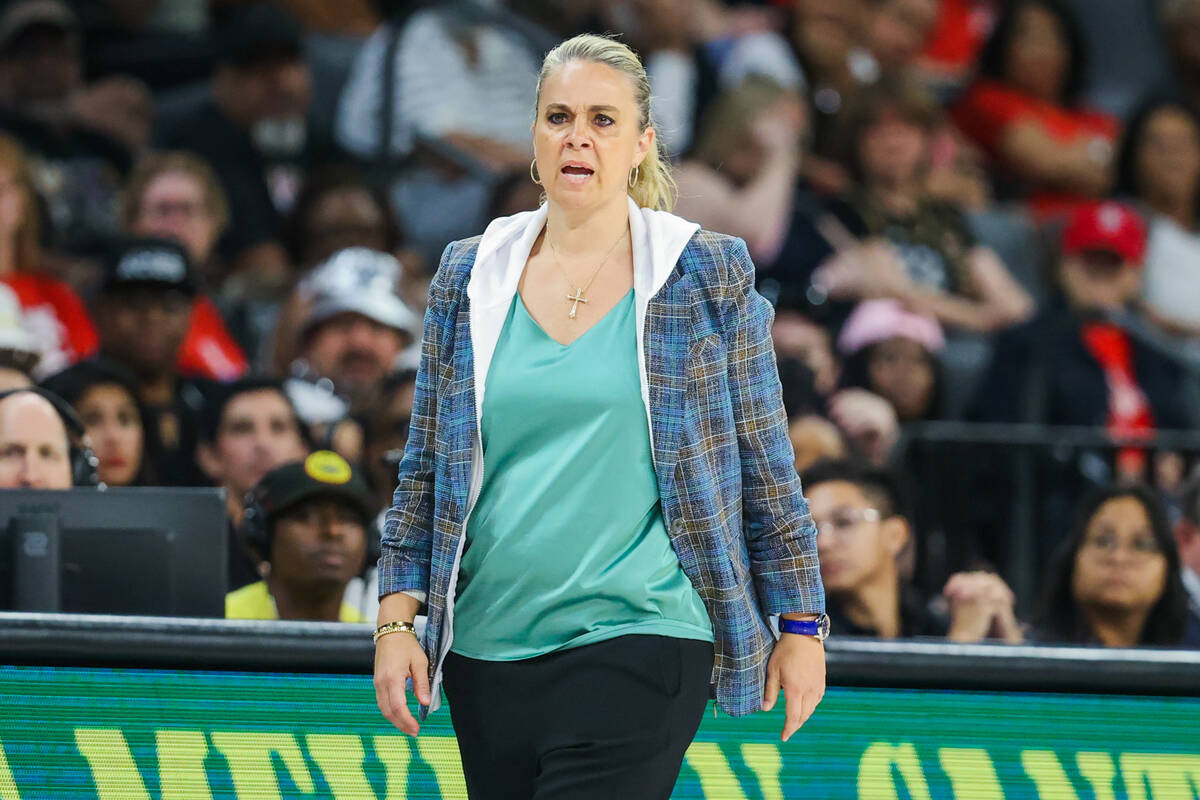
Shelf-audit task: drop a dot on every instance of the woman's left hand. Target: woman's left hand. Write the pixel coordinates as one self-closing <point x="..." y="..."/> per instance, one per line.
<point x="797" y="665"/>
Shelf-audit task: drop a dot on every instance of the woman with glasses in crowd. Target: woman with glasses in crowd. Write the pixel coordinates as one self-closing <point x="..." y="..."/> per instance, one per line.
<point x="597" y="409"/>
<point x="1116" y="581"/>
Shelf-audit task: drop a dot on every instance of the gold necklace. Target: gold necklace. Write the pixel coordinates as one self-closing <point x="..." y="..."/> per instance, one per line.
<point x="577" y="297"/>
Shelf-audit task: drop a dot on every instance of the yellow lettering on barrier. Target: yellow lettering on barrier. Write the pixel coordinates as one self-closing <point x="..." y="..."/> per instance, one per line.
<point x="249" y="757"/>
<point x="181" y="771"/>
<point x="971" y="772"/>
<point x="340" y="759"/>
<point x="395" y="753"/>
<point x="875" y="772"/>
<point x="1171" y="776"/>
<point x="8" y="786"/>
<point x="113" y="770"/>
<point x="1048" y="775"/>
<point x="716" y="776"/>
<point x="1100" y="771"/>
<point x="765" y="761"/>
<point x="441" y="753"/>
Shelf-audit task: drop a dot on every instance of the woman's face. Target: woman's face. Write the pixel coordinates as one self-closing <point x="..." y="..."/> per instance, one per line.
<point x="1038" y="54"/>
<point x="174" y="206"/>
<point x="111" y="419"/>
<point x="1119" y="566"/>
<point x="12" y="204"/>
<point x="901" y="371"/>
<point x="1168" y="157"/>
<point x="588" y="135"/>
<point x="893" y="150"/>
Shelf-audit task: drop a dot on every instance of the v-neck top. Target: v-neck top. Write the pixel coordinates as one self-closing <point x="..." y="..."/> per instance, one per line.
<point x="566" y="543"/>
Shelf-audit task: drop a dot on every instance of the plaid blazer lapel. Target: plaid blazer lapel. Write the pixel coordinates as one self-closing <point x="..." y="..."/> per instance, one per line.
<point x="668" y="335"/>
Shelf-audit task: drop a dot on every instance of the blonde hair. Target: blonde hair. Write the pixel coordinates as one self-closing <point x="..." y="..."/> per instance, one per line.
<point x="653" y="187"/>
<point x="13" y="159"/>
<point x="154" y="165"/>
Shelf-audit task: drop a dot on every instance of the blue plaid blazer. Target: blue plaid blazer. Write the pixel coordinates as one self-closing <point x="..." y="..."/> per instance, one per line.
<point x="730" y="495"/>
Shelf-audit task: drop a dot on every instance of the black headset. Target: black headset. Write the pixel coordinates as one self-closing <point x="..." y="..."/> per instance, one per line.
<point x="84" y="463"/>
<point x="256" y="532"/>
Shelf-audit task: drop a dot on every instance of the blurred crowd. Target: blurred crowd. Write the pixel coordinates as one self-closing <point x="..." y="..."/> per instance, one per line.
<point x="219" y="219"/>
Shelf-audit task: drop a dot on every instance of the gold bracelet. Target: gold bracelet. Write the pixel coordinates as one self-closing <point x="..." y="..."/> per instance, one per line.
<point x="393" y="627"/>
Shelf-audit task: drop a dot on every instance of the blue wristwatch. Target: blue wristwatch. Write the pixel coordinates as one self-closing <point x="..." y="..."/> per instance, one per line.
<point x="818" y="627"/>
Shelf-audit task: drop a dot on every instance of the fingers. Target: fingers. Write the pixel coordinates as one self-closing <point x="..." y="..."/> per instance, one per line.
<point x="800" y="707"/>
<point x="772" y="691"/>
<point x="393" y="667"/>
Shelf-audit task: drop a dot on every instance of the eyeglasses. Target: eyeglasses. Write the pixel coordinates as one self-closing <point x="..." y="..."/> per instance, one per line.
<point x="1142" y="547"/>
<point x="845" y="521"/>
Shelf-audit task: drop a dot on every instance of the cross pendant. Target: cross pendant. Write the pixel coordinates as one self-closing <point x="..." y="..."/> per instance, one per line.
<point x="577" y="298"/>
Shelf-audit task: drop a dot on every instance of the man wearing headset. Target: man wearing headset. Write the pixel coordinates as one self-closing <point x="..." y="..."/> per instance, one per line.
<point x="309" y="521"/>
<point x="35" y="446"/>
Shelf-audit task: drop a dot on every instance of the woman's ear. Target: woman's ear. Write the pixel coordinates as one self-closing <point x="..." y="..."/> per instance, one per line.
<point x="644" y="143"/>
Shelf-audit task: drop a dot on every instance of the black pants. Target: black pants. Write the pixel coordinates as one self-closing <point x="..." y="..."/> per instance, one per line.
<point x="606" y="720"/>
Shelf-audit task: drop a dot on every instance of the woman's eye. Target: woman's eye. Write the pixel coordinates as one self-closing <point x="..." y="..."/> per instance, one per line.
<point x="603" y="121"/>
<point x="557" y="118"/>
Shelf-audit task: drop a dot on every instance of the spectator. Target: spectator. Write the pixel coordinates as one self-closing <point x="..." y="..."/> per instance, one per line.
<point x="82" y="136"/>
<point x="743" y="177"/>
<point x="1025" y="110"/>
<point x="252" y="130"/>
<point x="862" y="537"/>
<point x="143" y="312"/>
<point x="1187" y="535"/>
<point x="1116" y="580"/>
<point x="464" y="92"/>
<point x="35" y="449"/>
<point x="177" y="196"/>
<point x="337" y="208"/>
<point x="18" y="352"/>
<point x="105" y="397"/>
<point x="1159" y="169"/>
<point x="893" y="352"/>
<point x="1075" y="363"/>
<point x="924" y="252"/>
<point x="357" y="327"/>
<point x="248" y="428"/>
<point x="385" y="432"/>
<point x="309" y="523"/>
<point x="898" y="30"/>
<point x="50" y="310"/>
<point x="1181" y="29"/>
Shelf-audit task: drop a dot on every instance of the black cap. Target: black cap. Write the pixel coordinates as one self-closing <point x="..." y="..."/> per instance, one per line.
<point x="149" y="262"/>
<point x="259" y="33"/>
<point x="322" y="474"/>
<point x="21" y="16"/>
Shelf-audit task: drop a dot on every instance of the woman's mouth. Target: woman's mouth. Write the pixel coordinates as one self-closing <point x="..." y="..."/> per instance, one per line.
<point x="577" y="173"/>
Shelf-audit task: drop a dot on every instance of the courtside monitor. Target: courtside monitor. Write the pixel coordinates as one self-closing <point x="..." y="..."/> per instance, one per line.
<point x="144" y="551"/>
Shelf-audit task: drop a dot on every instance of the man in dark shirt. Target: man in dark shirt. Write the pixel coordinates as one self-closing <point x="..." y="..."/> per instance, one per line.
<point x="861" y="537"/>
<point x="253" y="131"/>
<point x="142" y="315"/>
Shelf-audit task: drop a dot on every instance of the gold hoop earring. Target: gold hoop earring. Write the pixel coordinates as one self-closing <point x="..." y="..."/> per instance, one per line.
<point x="634" y="174"/>
<point x="533" y="174"/>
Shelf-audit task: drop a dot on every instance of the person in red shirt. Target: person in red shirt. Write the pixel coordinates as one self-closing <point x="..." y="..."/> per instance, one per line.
<point x="51" y="312"/>
<point x="175" y="195"/>
<point x="1024" y="110"/>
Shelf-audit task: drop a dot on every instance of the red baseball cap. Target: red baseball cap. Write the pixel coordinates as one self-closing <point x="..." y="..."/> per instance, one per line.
<point x="1108" y="227"/>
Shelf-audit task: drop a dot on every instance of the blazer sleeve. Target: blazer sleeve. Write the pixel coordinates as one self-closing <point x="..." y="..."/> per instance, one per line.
<point x="406" y="546"/>
<point x="780" y="537"/>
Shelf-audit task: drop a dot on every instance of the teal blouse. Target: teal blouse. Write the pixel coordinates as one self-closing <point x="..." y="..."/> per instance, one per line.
<point x="566" y="543"/>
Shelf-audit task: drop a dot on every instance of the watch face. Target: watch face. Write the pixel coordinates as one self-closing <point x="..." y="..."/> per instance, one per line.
<point x="823" y="627"/>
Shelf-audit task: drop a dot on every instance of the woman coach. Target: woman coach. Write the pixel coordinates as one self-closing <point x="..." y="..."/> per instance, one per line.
<point x="605" y="531"/>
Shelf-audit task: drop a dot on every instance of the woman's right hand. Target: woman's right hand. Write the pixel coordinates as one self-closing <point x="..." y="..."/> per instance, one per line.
<point x="398" y="657"/>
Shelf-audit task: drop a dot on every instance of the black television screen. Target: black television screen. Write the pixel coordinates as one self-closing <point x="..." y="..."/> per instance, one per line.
<point x="152" y="551"/>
